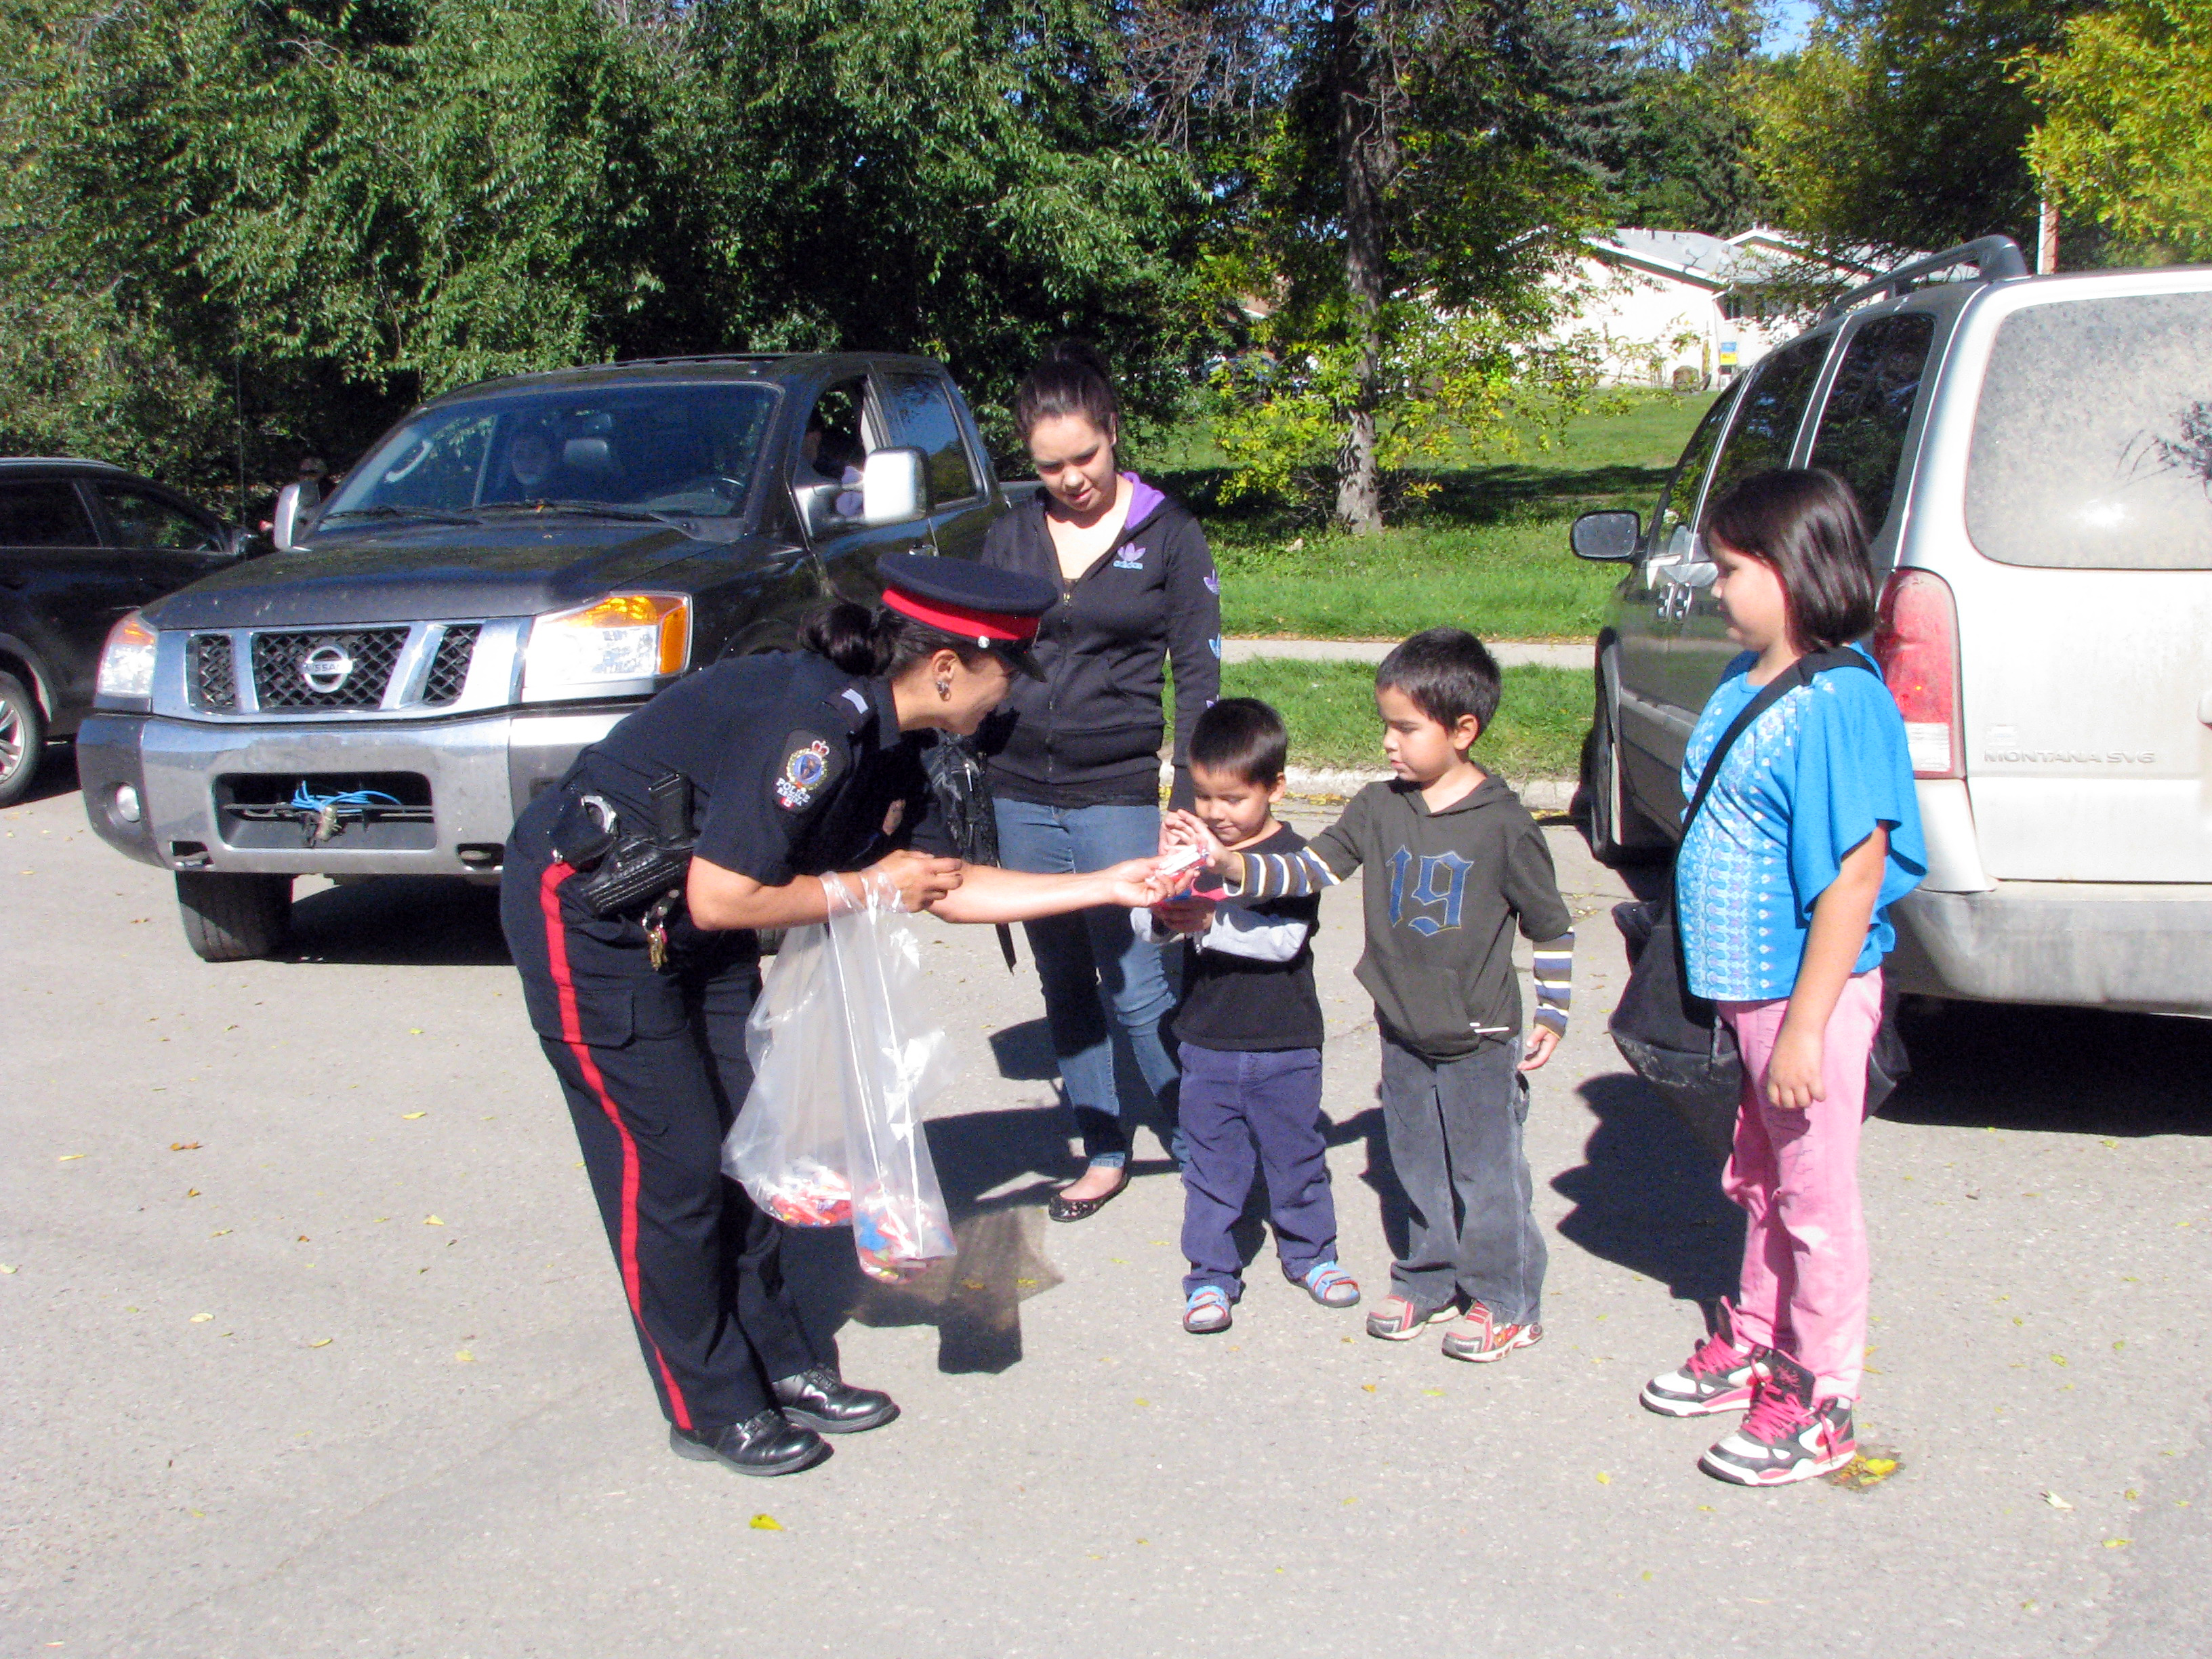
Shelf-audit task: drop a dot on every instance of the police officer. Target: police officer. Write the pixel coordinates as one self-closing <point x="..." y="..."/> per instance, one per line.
<point x="797" y="780"/>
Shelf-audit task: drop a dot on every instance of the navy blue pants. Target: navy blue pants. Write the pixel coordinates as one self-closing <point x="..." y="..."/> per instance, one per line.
<point x="1243" y="1112"/>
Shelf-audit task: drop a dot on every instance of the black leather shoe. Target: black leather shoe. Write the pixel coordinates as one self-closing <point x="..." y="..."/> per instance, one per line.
<point x="764" y="1443"/>
<point x="827" y="1403"/>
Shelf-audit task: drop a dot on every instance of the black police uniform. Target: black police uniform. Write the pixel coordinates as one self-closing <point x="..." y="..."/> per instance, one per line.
<point x="795" y="768"/>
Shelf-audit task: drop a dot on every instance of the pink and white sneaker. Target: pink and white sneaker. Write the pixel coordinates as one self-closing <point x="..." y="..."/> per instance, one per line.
<point x="1476" y="1336"/>
<point x="1719" y="1377"/>
<point x="1788" y="1435"/>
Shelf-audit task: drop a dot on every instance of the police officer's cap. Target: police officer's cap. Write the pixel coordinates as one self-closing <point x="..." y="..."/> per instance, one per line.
<point x="995" y="610"/>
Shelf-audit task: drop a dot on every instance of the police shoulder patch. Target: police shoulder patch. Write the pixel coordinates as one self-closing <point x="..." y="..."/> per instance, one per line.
<point x="810" y="762"/>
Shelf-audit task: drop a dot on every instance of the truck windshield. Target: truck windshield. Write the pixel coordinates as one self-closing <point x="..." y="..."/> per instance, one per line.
<point x="2093" y="442"/>
<point x="674" y="449"/>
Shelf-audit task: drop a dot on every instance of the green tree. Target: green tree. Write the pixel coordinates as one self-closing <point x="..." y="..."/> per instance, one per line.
<point x="2124" y="139"/>
<point x="1396" y="183"/>
<point x="298" y="219"/>
<point x="1901" y="124"/>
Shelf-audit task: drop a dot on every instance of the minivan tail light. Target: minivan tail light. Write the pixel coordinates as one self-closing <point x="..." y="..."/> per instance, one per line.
<point x="1916" y="640"/>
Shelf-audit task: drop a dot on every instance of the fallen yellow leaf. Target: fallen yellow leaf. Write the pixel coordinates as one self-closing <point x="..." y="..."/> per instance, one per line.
<point x="431" y="1221"/>
<point x="1367" y="1387"/>
<point x="191" y="1192"/>
<point x="184" y="1145"/>
<point x="1141" y="1401"/>
<point x="1880" y="1466"/>
<point x="1437" y="1393"/>
<point x="202" y="1319"/>
<point x="7" y="1266"/>
<point x="321" y="1342"/>
<point x="414" y="1030"/>
<point x="219" y="1232"/>
<point x="765" y="1523"/>
<point x="68" y="1157"/>
<point x="465" y="1357"/>
<point x="2117" y="1543"/>
<point x="411" y="1116"/>
<point x="1603" y="1478"/>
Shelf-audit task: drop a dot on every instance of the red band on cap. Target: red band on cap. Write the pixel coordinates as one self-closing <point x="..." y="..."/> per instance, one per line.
<point x="958" y="619"/>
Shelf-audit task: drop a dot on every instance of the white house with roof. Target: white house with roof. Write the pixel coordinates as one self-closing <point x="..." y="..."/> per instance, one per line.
<point x="1681" y="307"/>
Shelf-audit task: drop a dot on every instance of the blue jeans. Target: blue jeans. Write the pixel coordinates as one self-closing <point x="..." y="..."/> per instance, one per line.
<point x="1093" y="966"/>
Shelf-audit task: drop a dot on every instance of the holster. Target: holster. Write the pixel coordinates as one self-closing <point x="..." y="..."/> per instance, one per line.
<point x="627" y="869"/>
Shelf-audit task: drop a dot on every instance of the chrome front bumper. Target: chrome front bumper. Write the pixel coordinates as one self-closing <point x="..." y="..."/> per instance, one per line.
<point x="482" y="772"/>
<point x="2147" y="948"/>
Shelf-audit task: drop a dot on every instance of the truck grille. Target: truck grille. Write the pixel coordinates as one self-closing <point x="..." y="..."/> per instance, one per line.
<point x="349" y="669"/>
<point x="213" y="672"/>
<point x="449" y="669"/>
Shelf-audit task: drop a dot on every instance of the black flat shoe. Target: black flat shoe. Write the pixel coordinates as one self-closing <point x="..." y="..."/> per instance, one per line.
<point x="764" y="1443"/>
<point x="828" y="1403"/>
<point x="1078" y="1209"/>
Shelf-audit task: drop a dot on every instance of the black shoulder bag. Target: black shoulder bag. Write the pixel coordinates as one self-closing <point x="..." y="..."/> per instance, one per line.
<point x="1675" y="1041"/>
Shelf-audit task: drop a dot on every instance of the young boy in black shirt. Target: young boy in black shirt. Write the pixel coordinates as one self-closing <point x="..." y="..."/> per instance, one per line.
<point x="1250" y="1028"/>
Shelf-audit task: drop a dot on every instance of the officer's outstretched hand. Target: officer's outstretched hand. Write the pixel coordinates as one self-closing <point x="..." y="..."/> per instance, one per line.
<point x="1140" y="883"/>
<point x="918" y="879"/>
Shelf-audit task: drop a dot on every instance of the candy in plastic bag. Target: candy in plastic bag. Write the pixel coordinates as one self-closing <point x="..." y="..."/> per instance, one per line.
<point x="846" y="1061"/>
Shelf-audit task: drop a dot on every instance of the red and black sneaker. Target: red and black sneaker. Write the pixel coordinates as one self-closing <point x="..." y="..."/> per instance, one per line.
<point x="1788" y="1435"/>
<point x="1719" y="1377"/>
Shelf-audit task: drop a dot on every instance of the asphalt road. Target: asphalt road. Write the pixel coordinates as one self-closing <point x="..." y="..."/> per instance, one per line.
<point x="314" y="1348"/>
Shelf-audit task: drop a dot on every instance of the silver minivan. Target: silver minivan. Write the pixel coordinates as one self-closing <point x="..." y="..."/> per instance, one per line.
<point x="2034" y="455"/>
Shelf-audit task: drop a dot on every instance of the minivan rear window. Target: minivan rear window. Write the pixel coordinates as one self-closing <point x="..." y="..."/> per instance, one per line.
<point x="2093" y="441"/>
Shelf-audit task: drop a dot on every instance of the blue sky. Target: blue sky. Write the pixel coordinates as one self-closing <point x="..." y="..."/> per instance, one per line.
<point x="1788" y="28"/>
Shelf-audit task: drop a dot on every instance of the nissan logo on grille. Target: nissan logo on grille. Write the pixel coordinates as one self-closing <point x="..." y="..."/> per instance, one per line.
<point x="325" y="667"/>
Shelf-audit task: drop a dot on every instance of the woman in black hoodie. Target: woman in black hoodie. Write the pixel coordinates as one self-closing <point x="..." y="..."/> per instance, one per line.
<point x="1076" y="777"/>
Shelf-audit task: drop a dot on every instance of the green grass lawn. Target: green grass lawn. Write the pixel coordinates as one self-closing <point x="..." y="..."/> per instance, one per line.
<point x="1487" y="551"/>
<point x="1330" y="709"/>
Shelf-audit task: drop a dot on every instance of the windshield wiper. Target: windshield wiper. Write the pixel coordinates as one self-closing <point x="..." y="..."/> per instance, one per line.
<point x="436" y="515"/>
<point x="594" y="510"/>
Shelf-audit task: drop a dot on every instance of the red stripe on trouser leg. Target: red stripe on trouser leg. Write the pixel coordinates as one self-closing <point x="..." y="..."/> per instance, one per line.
<point x="572" y="1033"/>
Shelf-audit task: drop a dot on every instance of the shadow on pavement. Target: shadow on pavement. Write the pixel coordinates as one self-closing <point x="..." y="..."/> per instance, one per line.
<point x="1647" y="1195"/>
<point x="400" y="921"/>
<point x="56" y="774"/>
<point x="2066" y="1071"/>
<point x="975" y="1299"/>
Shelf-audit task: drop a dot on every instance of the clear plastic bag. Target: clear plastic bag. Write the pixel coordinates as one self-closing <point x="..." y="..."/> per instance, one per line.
<point x="846" y="1060"/>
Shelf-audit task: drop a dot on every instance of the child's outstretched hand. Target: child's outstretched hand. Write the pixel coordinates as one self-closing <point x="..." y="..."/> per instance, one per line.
<point x="1542" y="1043"/>
<point x="1187" y="829"/>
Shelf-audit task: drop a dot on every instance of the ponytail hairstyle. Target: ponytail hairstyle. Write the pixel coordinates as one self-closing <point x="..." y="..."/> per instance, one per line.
<point x="878" y="643"/>
<point x="1804" y="524"/>
<point x="1070" y="378"/>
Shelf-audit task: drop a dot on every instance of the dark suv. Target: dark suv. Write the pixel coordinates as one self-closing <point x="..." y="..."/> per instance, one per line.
<point x="509" y="572"/>
<point x="82" y="545"/>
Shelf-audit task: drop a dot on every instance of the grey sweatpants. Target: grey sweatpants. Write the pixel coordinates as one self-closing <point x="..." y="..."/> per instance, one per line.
<point x="1454" y="1130"/>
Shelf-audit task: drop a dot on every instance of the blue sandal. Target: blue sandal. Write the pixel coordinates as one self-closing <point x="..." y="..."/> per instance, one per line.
<point x="1205" y="1310"/>
<point x="1330" y="1285"/>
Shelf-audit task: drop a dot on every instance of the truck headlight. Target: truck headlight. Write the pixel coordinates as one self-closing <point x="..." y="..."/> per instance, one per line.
<point x="126" y="661"/>
<point x="623" y="636"/>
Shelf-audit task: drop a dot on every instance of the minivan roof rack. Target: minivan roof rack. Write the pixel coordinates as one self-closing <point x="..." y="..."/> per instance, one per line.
<point x="1995" y="258"/>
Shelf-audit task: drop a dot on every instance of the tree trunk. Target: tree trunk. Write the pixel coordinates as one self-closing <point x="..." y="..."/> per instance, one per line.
<point x="1363" y="144"/>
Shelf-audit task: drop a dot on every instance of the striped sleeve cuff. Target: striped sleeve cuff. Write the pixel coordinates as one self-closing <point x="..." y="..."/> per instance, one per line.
<point x="1554" y="974"/>
<point x="1281" y="875"/>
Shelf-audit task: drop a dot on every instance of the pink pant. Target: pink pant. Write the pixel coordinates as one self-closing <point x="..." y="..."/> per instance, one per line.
<point x="1795" y="1175"/>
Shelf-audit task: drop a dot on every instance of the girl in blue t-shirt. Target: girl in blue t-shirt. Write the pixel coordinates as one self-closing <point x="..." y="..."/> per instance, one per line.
<point x="1783" y="889"/>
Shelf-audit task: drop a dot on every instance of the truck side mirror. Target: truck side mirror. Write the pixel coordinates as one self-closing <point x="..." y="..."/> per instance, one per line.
<point x="296" y="512"/>
<point x="893" y="487"/>
<point x="1607" y="537"/>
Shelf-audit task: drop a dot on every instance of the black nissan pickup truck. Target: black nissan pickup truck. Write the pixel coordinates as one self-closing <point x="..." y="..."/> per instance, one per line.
<point x="509" y="572"/>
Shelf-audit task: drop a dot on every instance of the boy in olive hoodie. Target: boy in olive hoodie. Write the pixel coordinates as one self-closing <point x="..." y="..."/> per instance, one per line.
<point x="1454" y="863"/>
